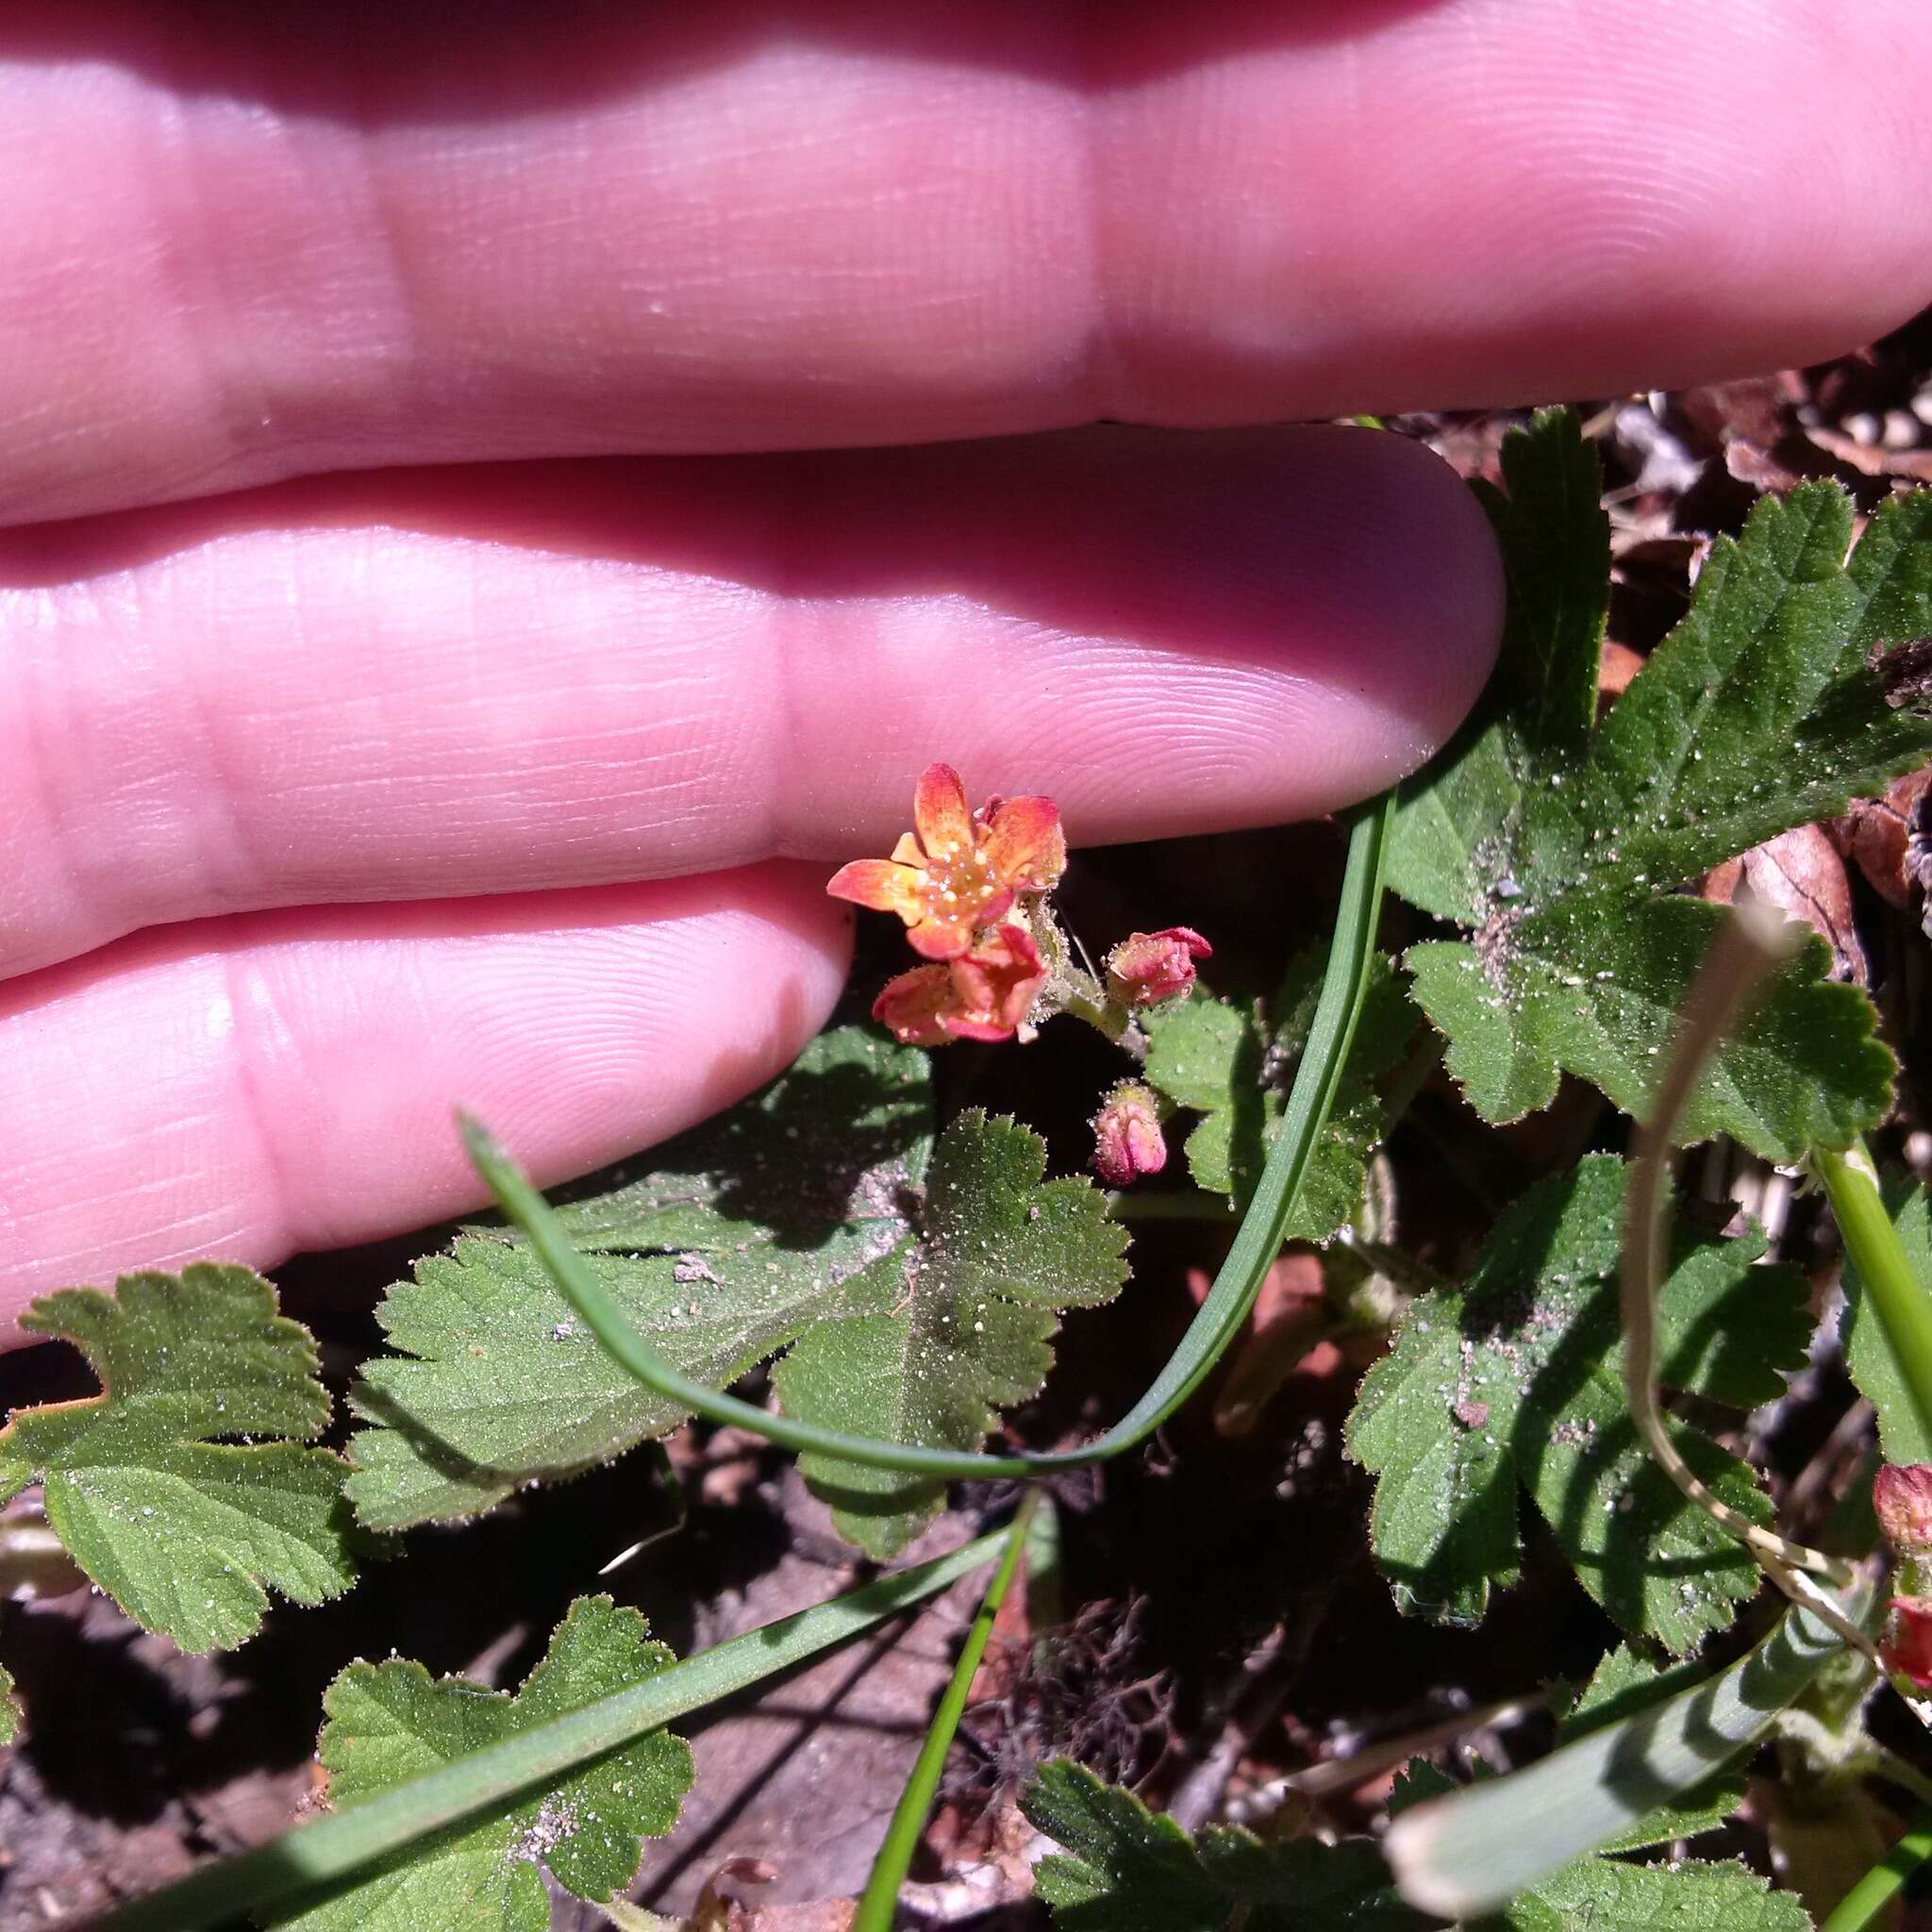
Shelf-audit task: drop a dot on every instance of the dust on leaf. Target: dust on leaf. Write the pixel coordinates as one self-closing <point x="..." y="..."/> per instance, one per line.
<point x="390" y="1721"/>
<point x="1515" y="1381"/>
<point x="1557" y="843"/>
<point x="1126" y="1869"/>
<point x="184" y="1530"/>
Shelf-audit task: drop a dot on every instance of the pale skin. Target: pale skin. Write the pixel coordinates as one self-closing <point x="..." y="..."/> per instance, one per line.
<point x="336" y="788"/>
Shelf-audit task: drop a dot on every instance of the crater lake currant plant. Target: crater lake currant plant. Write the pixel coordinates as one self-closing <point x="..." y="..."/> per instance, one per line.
<point x="1504" y="1357"/>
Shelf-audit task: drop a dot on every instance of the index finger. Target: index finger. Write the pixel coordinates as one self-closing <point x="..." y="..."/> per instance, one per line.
<point x="320" y="235"/>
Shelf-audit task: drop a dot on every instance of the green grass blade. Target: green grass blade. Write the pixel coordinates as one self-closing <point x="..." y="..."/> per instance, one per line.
<point x="1866" y="1899"/>
<point x="1899" y="1300"/>
<point x="879" y="1902"/>
<point x="1468" y="1853"/>
<point x="316" y="1857"/>
<point x="1218" y="1322"/>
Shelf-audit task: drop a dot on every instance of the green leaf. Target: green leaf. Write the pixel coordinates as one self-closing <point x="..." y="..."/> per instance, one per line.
<point x="916" y="1285"/>
<point x="390" y="1721"/>
<point x="183" y="1529"/>
<point x="1558" y="845"/>
<point x="721" y="1252"/>
<point x="1516" y="1380"/>
<point x="1609" y="1895"/>
<point x="1869" y="1356"/>
<point x="10" y="1714"/>
<point x="1233" y="1061"/>
<point x="1127" y="1870"/>
<point x="930" y="1340"/>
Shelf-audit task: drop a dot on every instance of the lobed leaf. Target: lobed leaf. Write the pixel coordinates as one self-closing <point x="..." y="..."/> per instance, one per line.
<point x="390" y="1721"/>
<point x="1515" y="1382"/>
<point x="184" y="1530"/>
<point x="1558" y="845"/>
<point x="1233" y="1061"/>
<point x="951" y="1326"/>
<point x="1126" y="1869"/>
<point x="916" y="1286"/>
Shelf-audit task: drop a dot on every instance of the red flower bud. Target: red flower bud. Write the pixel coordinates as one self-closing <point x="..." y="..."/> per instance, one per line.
<point x="1901" y="1495"/>
<point x="1148" y="967"/>
<point x="1907" y="1645"/>
<point x="1127" y="1141"/>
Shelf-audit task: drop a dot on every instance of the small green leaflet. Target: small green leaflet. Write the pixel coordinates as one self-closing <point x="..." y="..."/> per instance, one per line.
<point x="1233" y="1063"/>
<point x="186" y="1531"/>
<point x="1128" y="1870"/>
<point x="1556" y="843"/>
<point x="1515" y="1380"/>
<point x="1868" y="1352"/>
<point x="1609" y="1895"/>
<point x="915" y="1282"/>
<point x="392" y="1722"/>
<point x="9" y="1709"/>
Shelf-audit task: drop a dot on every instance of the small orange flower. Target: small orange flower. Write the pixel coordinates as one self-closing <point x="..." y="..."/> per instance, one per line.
<point x="984" y="995"/>
<point x="959" y="873"/>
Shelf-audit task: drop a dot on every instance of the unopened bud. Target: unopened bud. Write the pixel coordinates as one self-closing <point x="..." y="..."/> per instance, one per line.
<point x="1127" y="1141"/>
<point x="1148" y="967"/>
<point x="1902" y="1496"/>
<point x="1907" y="1645"/>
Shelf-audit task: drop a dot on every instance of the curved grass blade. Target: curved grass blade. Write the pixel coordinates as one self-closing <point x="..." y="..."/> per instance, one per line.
<point x="1256" y="1241"/>
<point x="314" y="1857"/>
<point x="1466" y="1854"/>
<point x="879" y="1903"/>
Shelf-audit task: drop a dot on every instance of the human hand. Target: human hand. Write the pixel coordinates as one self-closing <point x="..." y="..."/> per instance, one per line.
<point x="362" y="787"/>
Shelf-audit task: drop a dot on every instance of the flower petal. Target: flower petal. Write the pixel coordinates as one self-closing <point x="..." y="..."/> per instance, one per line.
<point x="879" y="885"/>
<point x="940" y="936"/>
<point x="909" y="1006"/>
<point x="1025" y="844"/>
<point x="941" y="812"/>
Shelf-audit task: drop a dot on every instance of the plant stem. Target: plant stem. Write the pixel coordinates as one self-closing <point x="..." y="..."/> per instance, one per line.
<point x="326" y="1854"/>
<point x="1898" y="1299"/>
<point x="1875" y="1892"/>
<point x="881" y="1896"/>
<point x="1219" y="1320"/>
